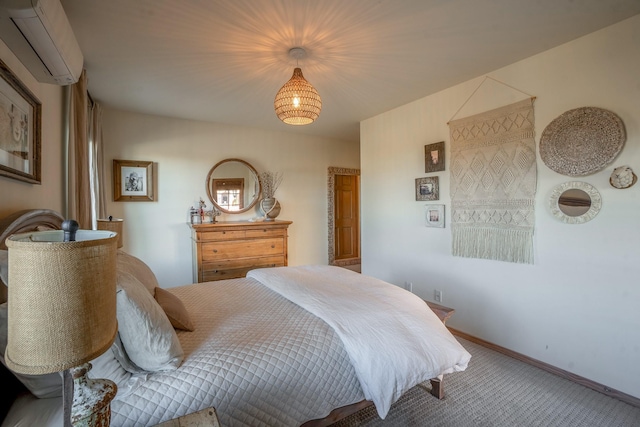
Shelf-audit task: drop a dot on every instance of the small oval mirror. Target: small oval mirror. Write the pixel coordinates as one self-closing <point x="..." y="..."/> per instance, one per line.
<point x="574" y="202"/>
<point x="233" y="186"/>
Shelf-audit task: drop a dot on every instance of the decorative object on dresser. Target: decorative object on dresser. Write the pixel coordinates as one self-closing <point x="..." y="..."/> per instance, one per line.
<point x="233" y="186"/>
<point x="622" y="177"/>
<point x="493" y="183"/>
<point x="133" y="181"/>
<point x="582" y="141"/>
<point x="226" y="250"/>
<point x="63" y="313"/>
<point x="269" y="205"/>
<point x="20" y="129"/>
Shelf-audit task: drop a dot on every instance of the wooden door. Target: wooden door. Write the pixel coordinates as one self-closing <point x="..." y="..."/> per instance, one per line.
<point x="347" y="216"/>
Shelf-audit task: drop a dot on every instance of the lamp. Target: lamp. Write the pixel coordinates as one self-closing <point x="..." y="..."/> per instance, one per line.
<point x="112" y="224"/>
<point x="62" y="313"/>
<point x="297" y="102"/>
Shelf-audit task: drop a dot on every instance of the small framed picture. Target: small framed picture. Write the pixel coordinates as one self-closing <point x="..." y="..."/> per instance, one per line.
<point x="434" y="157"/>
<point x="434" y="216"/>
<point x="133" y="181"/>
<point x="427" y="188"/>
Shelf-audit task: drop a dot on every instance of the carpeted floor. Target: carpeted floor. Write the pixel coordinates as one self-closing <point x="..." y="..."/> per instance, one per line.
<point x="497" y="390"/>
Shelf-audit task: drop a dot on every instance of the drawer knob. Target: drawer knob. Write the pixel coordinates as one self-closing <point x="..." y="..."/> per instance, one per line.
<point x="215" y="251"/>
<point x="273" y="246"/>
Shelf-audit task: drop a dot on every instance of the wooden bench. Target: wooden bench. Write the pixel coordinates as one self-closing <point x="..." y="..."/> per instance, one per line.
<point x="437" y="388"/>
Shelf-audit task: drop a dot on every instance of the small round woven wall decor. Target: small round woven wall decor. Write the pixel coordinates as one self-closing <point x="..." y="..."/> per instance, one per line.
<point x="582" y="141"/>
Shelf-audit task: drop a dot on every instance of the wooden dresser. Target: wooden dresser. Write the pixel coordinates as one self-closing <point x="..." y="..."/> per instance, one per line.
<point x="229" y="249"/>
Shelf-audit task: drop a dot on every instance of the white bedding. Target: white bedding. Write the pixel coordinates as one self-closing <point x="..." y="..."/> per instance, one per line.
<point x="263" y="360"/>
<point x="393" y="339"/>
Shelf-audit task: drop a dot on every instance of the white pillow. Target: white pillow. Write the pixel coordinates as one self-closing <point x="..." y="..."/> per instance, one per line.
<point x="145" y="330"/>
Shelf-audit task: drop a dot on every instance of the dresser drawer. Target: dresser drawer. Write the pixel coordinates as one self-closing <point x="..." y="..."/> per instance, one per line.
<point x="205" y="236"/>
<point x="216" y="251"/>
<point x="234" y="269"/>
<point x="265" y="232"/>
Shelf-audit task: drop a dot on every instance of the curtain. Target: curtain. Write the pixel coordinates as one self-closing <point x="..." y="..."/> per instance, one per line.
<point x="96" y="164"/>
<point x="85" y="172"/>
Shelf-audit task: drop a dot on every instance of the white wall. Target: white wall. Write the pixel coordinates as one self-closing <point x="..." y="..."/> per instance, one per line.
<point x="16" y="195"/>
<point x="185" y="151"/>
<point x="577" y="307"/>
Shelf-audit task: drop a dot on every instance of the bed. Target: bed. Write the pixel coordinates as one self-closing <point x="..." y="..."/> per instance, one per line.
<point x="286" y="346"/>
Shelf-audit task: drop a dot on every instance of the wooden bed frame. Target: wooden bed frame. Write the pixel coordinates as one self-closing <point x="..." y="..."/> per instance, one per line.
<point x="45" y="219"/>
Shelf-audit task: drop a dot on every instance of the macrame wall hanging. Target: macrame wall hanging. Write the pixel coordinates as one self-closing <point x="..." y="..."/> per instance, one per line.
<point x="493" y="183"/>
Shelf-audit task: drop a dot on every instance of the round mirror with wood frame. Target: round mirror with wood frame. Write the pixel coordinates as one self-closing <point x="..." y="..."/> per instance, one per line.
<point x="233" y="186"/>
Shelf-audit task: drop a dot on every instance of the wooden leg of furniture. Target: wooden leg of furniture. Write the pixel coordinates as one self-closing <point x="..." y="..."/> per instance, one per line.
<point x="437" y="388"/>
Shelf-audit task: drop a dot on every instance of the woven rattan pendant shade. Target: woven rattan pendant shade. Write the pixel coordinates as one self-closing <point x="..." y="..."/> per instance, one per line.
<point x="298" y="102"/>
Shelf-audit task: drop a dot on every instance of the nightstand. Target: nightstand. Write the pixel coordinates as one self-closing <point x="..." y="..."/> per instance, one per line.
<point x="204" y="418"/>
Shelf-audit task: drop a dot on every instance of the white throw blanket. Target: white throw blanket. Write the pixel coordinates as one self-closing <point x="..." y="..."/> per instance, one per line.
<point x="393" y="339"/>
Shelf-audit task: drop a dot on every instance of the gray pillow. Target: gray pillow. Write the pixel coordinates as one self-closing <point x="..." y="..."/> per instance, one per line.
<point x="145" y="330"/>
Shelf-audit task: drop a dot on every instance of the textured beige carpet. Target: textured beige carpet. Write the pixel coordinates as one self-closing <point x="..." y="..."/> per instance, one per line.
<point x="497" y="390"/>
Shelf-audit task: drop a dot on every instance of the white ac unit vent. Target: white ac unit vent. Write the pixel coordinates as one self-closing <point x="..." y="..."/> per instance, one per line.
<point x="43" y="40"/>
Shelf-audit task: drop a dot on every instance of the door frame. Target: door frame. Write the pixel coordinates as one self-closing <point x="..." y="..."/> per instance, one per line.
<point x="331" y="181"/>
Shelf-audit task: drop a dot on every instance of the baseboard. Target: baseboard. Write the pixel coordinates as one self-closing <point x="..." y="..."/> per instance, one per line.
<point x="631" y="400"/>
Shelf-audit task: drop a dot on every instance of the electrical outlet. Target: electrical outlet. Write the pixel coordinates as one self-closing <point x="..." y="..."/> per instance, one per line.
<point x="437" y="295"/>
<point x="408" y="286"/>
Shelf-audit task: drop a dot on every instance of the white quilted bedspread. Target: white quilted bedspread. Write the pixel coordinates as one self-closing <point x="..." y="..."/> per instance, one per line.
<point x="392" y="337"/>
<point x="259" y="359"/>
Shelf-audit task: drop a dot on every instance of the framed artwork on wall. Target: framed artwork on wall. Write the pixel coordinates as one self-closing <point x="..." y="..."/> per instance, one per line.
<point x="133" y="181"/>
<point x="20" y="129"/>
<point x="434" y="157"/>
<point x="427" y="188"/>
<point x="434" y="216"/>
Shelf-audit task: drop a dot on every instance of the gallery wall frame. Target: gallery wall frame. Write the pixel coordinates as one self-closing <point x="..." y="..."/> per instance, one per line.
<point x="427" y="188"/>
<point x="20" y="129"/>
<point x="434" y="157"/>
<point x="434" y="216"/>
<point x="133" y="181"/>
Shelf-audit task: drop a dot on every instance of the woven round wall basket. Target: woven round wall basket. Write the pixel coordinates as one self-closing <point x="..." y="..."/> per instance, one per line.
<point x="582" y="141"/>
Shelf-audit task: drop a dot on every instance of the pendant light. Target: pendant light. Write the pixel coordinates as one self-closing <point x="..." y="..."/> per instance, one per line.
<point x="297" y="102"/>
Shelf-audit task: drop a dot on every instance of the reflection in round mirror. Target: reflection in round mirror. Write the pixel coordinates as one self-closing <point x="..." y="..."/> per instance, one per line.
<point x="233" y="186"/>
<point x="575" y="202"/>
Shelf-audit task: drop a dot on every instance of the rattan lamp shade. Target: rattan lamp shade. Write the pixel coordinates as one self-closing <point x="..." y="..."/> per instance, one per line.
<point x="297" y="102"/>
<point x="62" y="300"/>
<point x="113" y="224"/>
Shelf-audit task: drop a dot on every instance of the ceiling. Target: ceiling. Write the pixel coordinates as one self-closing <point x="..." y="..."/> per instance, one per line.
<point x="224" y="60"/>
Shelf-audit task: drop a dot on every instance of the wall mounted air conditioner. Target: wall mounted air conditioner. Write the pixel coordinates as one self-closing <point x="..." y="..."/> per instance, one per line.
<point x="39" y="34"/>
